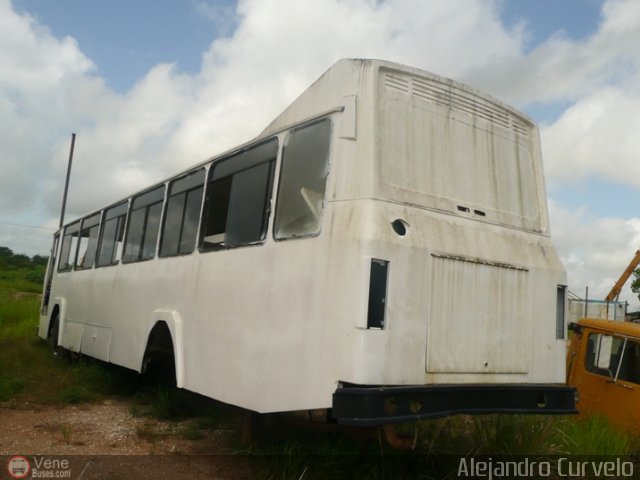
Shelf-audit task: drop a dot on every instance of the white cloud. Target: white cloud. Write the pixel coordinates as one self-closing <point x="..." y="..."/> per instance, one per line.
<point x="562" y="69"/>
<point x="596" y="137"/>
<point x="221" y="14"/>
<point x="307" y="36"/>
<point x="36" y="68"/>
<point x="599" y="77"/>
<point x="32" y="59"/>
<point x="595" y="251"/>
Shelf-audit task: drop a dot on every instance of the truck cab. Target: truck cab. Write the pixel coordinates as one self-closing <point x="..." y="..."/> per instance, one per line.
<point x="603" y="363"/>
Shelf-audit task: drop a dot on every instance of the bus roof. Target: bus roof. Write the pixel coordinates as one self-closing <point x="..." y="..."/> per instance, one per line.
<point x="357" y="76"/>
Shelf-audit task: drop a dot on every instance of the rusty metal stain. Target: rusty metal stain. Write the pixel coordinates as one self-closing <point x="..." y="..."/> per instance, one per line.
<point x="480" y="261"/>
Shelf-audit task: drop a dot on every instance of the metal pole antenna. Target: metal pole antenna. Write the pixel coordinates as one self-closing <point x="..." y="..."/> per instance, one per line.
<point x="66" y="183"/>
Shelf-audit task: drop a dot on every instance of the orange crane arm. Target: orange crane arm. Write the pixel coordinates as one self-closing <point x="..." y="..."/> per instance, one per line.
<point x="615" y="291"/>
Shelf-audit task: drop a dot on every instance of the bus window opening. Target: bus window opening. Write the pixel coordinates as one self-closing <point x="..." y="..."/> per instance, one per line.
<point x="112" y="235"/>
<point x="182" y="214"/>
<point x="238" y="198"/>
<point x="88" y="242"/>
<point x="144" y="221"/>
<point x="69" y="247"/>
<point x="303" y="181"/>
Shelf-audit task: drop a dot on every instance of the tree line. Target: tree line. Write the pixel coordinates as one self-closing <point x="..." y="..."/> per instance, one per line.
<point x="16" y="266"/>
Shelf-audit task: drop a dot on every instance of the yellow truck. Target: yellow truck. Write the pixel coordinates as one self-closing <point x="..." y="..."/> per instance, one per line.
<point x="603" y="363"/>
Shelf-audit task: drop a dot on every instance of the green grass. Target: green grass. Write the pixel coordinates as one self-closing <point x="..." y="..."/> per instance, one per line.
<point x="531" y="435"/>
<point x="504" y="435"/>
<point x="313" y="455"/>
<point x="18" y="311"/>
<point x="17" y="283"/>
<point x="28" y="369"/>
<point x="593" y="436"/>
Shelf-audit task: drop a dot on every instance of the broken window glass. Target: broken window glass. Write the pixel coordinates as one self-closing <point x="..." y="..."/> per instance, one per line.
<point x="303" y="179"/>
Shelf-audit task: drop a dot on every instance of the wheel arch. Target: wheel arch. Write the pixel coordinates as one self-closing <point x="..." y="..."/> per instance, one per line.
<point x="55" y="312"/>
<point x="59" y="309"/>
<point x="169" y="321"/>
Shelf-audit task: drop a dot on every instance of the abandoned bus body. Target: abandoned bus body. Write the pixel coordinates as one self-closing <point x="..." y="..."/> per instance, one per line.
<point x="381" y="249"/>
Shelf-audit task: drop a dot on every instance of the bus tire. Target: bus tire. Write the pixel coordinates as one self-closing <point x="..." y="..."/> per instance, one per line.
<point x="54" y="331"/>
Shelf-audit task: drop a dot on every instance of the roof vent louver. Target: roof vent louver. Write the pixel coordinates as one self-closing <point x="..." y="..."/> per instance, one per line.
<point x="457" y="99"/>
<point x="396" y="82"/>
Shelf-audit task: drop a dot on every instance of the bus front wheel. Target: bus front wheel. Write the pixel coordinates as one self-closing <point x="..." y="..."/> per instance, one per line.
<point x="54" y="332"/>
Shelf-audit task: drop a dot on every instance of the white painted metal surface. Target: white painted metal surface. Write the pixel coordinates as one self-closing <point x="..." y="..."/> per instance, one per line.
<point x="274" y="326"/>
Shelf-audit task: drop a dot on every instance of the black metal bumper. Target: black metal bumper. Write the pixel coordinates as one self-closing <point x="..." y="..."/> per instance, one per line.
<point x="382" y="405"/>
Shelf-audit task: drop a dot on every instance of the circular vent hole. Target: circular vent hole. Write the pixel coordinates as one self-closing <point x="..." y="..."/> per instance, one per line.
<point x="400" y="227"/>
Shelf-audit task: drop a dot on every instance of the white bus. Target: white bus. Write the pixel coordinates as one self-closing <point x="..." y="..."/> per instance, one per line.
<point x="381" y="250"/>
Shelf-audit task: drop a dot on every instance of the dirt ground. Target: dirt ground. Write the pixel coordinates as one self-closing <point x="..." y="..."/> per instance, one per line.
<point x="106" y="441"/>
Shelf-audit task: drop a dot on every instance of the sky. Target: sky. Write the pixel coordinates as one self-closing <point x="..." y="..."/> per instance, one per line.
<point x="154" y="86"/>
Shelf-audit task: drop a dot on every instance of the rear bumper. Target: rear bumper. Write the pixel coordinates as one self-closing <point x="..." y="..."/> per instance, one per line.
<point x="381" y="405"/>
